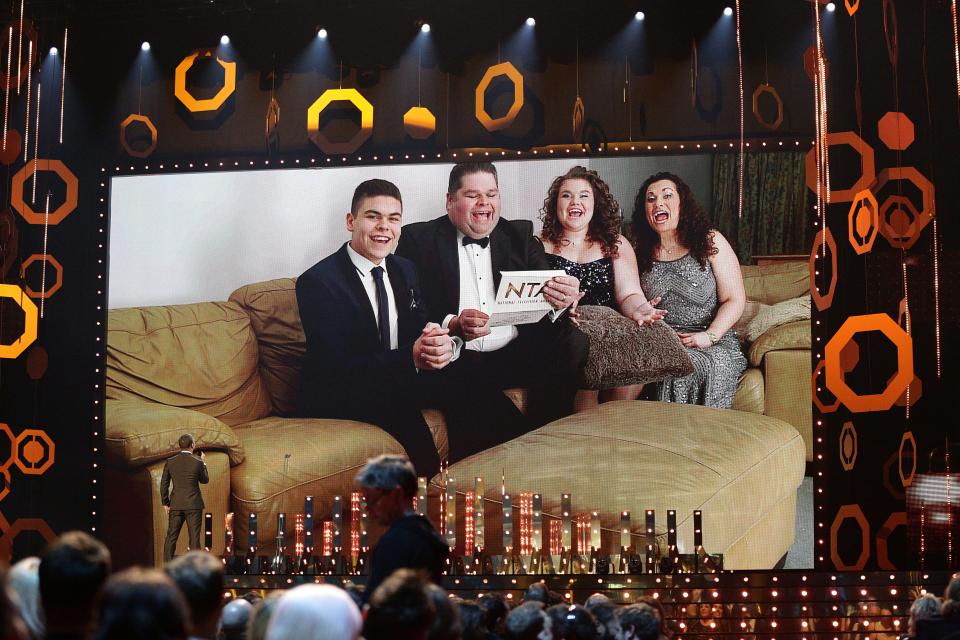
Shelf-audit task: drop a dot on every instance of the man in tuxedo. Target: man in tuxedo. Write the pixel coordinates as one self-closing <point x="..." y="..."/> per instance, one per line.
<point x="185" y="502"/>
<point x="373" y="356"/>
<point x="460" y="257"/>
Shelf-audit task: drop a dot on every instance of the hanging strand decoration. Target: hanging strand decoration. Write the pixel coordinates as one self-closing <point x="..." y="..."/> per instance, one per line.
<point x="6" y="103"/>
<point x="43" y="269"/>
<point x="936" y="293"/>
<point x="956" y="50"/>
<point x="63" y="80"/>
<point x="820" y="120"/>
<point x="20" y="47"/>
<point x="909" y="327"/>
<point x="741" y="159"/>
<point x="26" y="125"/>
<point x="628" y="97"/>
<point x="36" y="148"/>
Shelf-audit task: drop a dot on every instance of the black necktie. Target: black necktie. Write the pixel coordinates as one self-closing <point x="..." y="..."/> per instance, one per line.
<point x="483" y="242"/>
<point x="383" y="309"/>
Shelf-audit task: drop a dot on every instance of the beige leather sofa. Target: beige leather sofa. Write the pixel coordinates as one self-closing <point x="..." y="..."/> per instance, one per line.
<point x="227" y="372"/>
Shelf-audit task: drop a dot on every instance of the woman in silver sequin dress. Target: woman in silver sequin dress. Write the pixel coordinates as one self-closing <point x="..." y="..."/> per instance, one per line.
<point x="697" y="275"/>
<point x="581" y="235"/>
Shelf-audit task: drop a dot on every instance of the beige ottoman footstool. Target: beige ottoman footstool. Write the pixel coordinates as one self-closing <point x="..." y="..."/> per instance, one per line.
<point x="741" y="469"/>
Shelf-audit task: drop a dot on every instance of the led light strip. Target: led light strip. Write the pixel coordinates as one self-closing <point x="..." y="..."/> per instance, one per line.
<point x="63" y="81"/>
<point x="936" y="292"/>
<point x="742" y="159"/>
<point x="6" y="103"/>
<point x="26" y="126"/>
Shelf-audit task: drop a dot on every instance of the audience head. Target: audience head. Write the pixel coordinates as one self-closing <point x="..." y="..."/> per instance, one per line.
<point x="24" y="581"/>
<point x="12" y="626"/>
<point x="495" y="611"/>
<point x="142" y="603"/>
<point x="72" y="571"/>
<point x="200" y="577"/>
<point x="185" y="442"/>
<point x="657" y="607"/>
<point x="234" y="619"/>
<point x="595" y="599"/>
<point x="580" y="200"/>
<point x="262" y="614"/>
<point x="640" y="622"/>
<point x="473" y="198"/>
<point x="606" y="614"/>
<point x="571" y="622"/>
<point x="400" y="608"/>
<point x="537" y="592"/>
<point x="926" y="606"/>
<point x="376" y="214"/>
<point x="951" y="598"/>
<point x="315" y="612"/>
<point x="526" y="621"/>
<point x="473" y="621"/>
<point x="388" y="483"/>
<point x="665" y="204"/>
<point x="446" y="623"/>
<point x="253" y="597"/>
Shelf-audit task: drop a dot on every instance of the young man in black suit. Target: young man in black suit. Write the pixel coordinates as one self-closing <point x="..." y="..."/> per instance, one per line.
<point x="460" y="257"/>
<point x="185" y="502"/>
<point x="372" y="354"/>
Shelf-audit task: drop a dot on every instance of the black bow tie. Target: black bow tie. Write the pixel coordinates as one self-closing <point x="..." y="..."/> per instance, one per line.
<point x="483" y="242"/>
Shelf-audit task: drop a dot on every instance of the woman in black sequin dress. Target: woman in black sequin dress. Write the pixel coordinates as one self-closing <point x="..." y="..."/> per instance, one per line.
<point x="581" y="235"/>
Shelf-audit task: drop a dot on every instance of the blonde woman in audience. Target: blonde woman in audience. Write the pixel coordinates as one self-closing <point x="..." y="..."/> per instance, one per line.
<point x="24" y="581"/>
<point x="315" y="612"/>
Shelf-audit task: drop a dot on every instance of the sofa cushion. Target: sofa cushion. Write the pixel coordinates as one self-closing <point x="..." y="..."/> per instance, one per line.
<point x="275" y="317"/>
<point x="633" y="455"/>
<point x="773" y="283"/>
<point x="140" y="432"/>
<point x="291" y="458"/>
<point x="750" y="392"/>
<point x="750" y="310"/>
<point x="793" y="335"/>
<point x="777" y="314"/>
<point x="199" y="356"/>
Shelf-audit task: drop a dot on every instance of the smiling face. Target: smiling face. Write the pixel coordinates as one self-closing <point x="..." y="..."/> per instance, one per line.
<point x="575" y="204"/>
<point x="662" y="206"/>
<point x="475" y="207"/>
<point x="375" y="227"/>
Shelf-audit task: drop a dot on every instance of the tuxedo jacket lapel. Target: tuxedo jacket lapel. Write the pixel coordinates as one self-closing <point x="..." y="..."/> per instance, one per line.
<point x="402" y="295"/>
<point x="352" y="280"/>
<point x="448" y="253"/>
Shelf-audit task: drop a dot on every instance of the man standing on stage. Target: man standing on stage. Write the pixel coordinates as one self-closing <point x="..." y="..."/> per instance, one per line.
<point x="185" y="502"/>
<point x="388" y="484"/>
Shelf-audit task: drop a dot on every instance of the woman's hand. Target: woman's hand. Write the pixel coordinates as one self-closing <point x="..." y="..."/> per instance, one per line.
<point x="698" y="340"/>
<point x="647" y="313"/>
<point x="573" y="313"/>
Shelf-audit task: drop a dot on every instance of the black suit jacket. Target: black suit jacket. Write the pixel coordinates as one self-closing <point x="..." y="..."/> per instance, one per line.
<point x="432" y="246"/>
<point x="343" y="342"/>
<point x="188" y="472"/>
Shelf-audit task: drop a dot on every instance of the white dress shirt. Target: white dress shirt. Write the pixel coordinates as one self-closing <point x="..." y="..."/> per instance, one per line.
<point x="477" y="292"/>
<point x="364" y="267"/>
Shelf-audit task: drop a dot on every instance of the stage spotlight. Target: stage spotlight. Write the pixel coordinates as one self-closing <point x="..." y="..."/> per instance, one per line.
<point x="531" y="22"/>
<point x="53" y="51"/>
<point x="727" y="11"/>
<point x="425" y="28"/>
<point x="224" y="39"/>
<point x="831" y="7"/>
<point x="145" y="46"/>
<point x="639" y="15"/>
<point x="322" y="34"/>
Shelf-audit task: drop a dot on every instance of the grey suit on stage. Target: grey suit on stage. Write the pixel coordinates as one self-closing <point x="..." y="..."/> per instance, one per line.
<point x="187" y="472"/>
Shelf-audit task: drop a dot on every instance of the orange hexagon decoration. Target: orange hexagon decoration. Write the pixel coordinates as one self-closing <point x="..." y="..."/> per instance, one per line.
<point x="896" y="130"/>
<point x="887" y="477"/>
<point x="835" y="375"/>
<point x="5" y="481"/>
<point x="868" y="169"/>
<point x="824" y="408"/>
<point x="810" y="63"/>
<point x="419" y="123"/>
<point x="25" y="210"/>
<point x="761" y="89"/>
<point x="502" y="69"/>
<point x="915" y="389"/>
<point x="823" y="238"/>
<point x="851" y="5"/>
<point x="366" y="120"/>
<point x="20" y="526"/>
<point x="18" y="346"/>
<point x="148" y="123"/>
<point x="862" y="222"/>
<point x="57" y="270"/>
<point x="896" y="519"/>
<point x="850" y="356"/>
<point x="900" y="222"/>
<point x="35" y="452"/>
<point x="5" y="430"/>
<point x="208" y="104"/>
<point x="907" y="443"/>
<point x="850" y="511"/>
<point x="848" y="446"/>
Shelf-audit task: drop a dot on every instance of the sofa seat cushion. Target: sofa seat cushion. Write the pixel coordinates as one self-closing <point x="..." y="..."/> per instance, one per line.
<point x="140" y="432"/>
<point x="792" y="335"/>
<point x="750" y="392"/>
<point x="291" y="458"/>
<point x="199" y="356"/>
<point x="631" y="456"/>
<point x="773" y="283"/>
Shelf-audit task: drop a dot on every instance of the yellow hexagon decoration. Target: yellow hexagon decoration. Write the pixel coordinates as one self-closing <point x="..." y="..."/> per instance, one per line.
<point x="29" y="334"/>
<point x="502" y="69"/>
<point x="366" y="120"/>
<point x="148" y="123"/>
<point x="207" y="104"/>
<point x="419" y="123"/>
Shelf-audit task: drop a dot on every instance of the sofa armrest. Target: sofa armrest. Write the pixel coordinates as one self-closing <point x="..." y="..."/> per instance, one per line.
<point x="140" y="432"/>
<point x="792" y="335"/>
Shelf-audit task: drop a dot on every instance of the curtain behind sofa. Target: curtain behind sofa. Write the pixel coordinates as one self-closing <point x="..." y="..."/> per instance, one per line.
<point x="777" y="205"/>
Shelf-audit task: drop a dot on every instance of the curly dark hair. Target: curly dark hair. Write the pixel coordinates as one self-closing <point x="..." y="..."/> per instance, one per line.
<point x="693" y="229"/>
<point x="605" y="224"/>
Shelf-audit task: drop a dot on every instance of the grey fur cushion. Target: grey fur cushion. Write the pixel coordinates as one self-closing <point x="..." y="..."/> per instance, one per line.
<point x="622" y="353"/>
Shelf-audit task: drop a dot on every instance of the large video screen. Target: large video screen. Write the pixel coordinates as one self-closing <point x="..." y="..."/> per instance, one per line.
<point x="204" y="337"/>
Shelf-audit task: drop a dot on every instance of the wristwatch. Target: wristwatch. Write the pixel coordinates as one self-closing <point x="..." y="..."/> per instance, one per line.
<point x="713" y="338"/>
